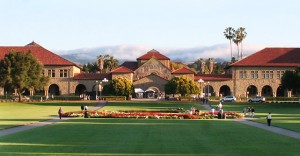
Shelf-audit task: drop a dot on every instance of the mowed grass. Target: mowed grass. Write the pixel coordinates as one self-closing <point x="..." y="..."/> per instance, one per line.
<point x="286" y="115"/>
<point x="148" y="137"/>
<point x="82" y="136"/>
<point x="15" y="114"/>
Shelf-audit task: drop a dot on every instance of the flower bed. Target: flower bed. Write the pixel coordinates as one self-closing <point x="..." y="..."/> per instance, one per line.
<point x="150" y="115"/>
<point x="225" y="115"/>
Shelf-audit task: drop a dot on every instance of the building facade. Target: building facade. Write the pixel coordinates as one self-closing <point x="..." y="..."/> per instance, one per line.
<point x="257" y="74"/>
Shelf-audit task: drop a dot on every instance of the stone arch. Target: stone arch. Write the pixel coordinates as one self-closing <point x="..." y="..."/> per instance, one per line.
<point x="252" y="90"/>
<point x="267" y="91"/>
<point x="54" y="89"/>
<point x="208" y="90"/>
<point x="80" y="89"/>
<point x="151" y="92"/>
<point x="225" y="90"/>
<point x="280" y="92"/>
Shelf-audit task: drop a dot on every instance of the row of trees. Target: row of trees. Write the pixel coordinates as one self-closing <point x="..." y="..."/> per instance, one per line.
<point x="237" y="36"/>
<point x="104" y="64"/>
<point x="218" y="67"/>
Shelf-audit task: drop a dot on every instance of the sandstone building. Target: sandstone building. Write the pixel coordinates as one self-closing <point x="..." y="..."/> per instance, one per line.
<point x="257" y="74"/>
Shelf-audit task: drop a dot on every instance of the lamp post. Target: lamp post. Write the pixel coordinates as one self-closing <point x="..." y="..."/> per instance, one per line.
<point x="200" y="82"/>
<point x="207" y="90"/>
<point x="97" y="88"/>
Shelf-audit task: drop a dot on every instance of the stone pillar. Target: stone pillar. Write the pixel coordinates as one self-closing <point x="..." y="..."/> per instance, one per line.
<point x="289" y="93"/>
<point x="218" y="94"/>
<point x="46" y="92"/>
<point x="274" y="94"/>
<point x="259" y="94"/>
<point x="31" y="92"/>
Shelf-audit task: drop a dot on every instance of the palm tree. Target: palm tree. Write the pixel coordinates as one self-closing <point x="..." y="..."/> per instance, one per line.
<point x="229" y="34"/>
<point x="100" y="63"/>
<point x="242" y="35"/>
<point x="110" y="62"/>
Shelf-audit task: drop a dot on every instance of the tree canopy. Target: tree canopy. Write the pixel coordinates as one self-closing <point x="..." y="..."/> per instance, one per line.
<point x="181" y="85"/>
<point x="103" y="64"/>
<point x="20" y="70"/>
<point x="119" y="87"/>
<point x="291" y="79"/>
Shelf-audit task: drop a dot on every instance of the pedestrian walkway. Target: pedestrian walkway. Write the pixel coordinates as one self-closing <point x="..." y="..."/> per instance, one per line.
<point x="13" y="130"/>
<point x="273" y="129"/>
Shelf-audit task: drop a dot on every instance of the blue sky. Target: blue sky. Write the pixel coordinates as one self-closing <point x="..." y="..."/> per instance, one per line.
<point x="162" y="24"/>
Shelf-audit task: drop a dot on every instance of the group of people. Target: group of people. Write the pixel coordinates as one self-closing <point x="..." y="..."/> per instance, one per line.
<point x="219" y="108"/>
<point x="250" y="111"/>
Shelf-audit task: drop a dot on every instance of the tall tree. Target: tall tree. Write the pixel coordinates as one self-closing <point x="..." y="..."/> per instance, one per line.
<point x="229" y="34"/>
<point x="20" y="70"/>
<point x="100" y="63"/>
<point x="110" y="63"/>
<point x="241" y="35"/>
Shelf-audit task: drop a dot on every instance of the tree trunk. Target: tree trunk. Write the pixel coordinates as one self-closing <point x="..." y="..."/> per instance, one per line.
<point x="241" y="50"/>
<point x="20" y="95"/>
<point x="230" y="49"/>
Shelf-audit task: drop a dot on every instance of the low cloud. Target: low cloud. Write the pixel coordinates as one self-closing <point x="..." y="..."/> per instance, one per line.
<point x="130" y="53"/>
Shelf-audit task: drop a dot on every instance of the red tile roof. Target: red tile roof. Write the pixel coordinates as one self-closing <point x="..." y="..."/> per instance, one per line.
<point x="43" y="55"/>
<point x="130" y="65"/>
<point x="92" y="76"/>
<point x="212" y="77"/>
<point x="183" y="70"/>
<point x="155" y="54"/>
<point x="122" y="69"/>
<point x="283" y="57"/>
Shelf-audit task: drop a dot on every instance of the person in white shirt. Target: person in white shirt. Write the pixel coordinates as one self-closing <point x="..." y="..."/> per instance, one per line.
<point x="220" y="105"/>
<point x="269" y="118"/>
<point x="213" y="111"/>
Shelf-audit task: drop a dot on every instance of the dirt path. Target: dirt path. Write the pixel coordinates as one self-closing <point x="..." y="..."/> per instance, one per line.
<point x="13" y="130"/>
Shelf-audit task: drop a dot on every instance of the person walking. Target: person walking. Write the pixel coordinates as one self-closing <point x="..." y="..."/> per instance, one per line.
<point x="252" y="111"/>
<point x="269" y="118"/>
<point x="245" y="111"/>
<point x="60" y="112"/>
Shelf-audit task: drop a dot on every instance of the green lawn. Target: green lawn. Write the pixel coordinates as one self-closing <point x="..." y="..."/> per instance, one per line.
<point x="148" y="137"/>
<point x="82" y="136"/>
<point x="14" y="114"/>
<point x="285" y="115"/>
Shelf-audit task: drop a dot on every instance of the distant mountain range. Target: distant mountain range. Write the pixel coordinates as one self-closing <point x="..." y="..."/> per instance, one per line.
<point x="123" y="53"/>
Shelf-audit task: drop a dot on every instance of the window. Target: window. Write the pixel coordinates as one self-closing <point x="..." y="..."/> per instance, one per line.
<point x="263" y="75"/>
<point x="267" y="74"/>
<point x="254" y="74"/>
<point x="271" y="74"/>
<point x="63" y="73"/>
<point x="51" y="73"/>
<point x="279" y="74"/>
<point x="243" y="74"/>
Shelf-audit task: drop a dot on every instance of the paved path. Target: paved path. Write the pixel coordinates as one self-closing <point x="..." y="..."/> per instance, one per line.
<point x="13" y="130"/>
<point x="273" y="129"/>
